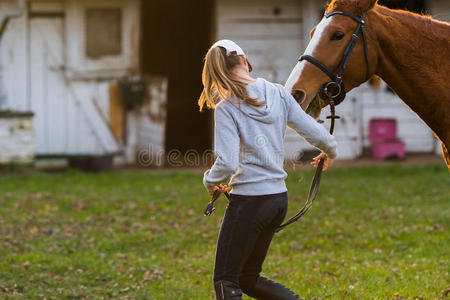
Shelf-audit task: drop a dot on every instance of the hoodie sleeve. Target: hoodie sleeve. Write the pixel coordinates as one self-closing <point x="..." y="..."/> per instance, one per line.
<point x="308" y="128"/>
<point x="227" y="140"/>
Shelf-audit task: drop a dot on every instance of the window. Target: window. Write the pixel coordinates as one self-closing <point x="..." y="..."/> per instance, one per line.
<point x="103" y="30"/>
<point x="102" y="38"/>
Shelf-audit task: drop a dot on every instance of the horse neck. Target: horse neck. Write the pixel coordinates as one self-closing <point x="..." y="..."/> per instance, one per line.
<point x="412" y="60"/>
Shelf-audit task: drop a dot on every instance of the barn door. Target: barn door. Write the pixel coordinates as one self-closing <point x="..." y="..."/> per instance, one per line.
<point x="66" y="121"/>
<point x="48" y="92"/>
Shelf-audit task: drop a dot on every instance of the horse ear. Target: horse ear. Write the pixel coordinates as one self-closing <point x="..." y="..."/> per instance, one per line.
<point x="366" y="5"/>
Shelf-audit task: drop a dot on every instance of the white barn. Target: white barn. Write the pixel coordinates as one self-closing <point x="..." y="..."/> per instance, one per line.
<point x="62" y="60"/>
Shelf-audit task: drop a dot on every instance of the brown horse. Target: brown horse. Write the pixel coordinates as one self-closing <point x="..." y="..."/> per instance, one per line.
<point x="409" y="51"/>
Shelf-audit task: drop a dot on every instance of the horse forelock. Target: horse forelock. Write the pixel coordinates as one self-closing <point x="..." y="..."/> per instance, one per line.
<point x="350" y="6"/>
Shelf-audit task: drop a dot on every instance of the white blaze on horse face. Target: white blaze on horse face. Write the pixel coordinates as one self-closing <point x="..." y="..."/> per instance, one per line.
<point x="297" y="71"/>
<point x="293" y="77"/>
<point x="320" y="28"/>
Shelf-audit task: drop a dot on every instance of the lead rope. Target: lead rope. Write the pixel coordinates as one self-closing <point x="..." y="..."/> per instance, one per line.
<point x="314" y="188"/>
<point x="210" y="206"/>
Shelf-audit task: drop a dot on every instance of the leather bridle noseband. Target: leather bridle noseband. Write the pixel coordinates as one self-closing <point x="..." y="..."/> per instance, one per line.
<point x="334" y="91"/>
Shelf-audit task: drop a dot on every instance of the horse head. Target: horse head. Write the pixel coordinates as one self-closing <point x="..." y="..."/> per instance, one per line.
<point x="329" y="40"/>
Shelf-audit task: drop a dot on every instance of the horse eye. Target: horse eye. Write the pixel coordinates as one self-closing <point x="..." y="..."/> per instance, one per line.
<point x="337" y="36"/>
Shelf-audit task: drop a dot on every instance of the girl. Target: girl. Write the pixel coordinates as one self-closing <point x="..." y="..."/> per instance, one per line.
<point x="250" y="122"/>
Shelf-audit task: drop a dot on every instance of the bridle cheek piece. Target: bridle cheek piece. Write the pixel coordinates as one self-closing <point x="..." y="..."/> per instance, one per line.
<point x="334" y="90"/>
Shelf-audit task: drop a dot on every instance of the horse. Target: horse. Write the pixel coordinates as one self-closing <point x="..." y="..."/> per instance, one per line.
<point x="410" y="52"/>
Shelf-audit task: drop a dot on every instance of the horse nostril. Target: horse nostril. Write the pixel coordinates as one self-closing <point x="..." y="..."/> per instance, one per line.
<point x="299" y="95"/>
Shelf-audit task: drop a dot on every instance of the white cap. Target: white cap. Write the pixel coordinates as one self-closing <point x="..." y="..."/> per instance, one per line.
<point x="232" y="48"/>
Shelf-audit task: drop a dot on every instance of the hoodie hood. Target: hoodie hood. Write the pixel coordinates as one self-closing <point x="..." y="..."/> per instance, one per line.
<point x="263" y="91"/>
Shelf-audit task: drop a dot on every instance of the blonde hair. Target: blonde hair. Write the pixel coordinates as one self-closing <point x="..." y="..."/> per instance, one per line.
<point x="218" y="82"/>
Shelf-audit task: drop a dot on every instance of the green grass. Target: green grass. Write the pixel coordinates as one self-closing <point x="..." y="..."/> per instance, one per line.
<point x="373" y="233"/>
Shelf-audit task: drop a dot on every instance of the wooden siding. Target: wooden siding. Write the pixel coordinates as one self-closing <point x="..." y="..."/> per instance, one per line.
<point x="270" y="32"/>
<point x="13" y="61"/>
<point x="71" y="113"/>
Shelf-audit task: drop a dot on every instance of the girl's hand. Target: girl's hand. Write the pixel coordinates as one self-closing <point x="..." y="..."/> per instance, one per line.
<point x="224" y="188"/>
<point x="326" y="164"/>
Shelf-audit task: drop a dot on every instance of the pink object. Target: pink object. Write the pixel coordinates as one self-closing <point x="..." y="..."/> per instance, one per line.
<point x="382" y="129"/>
<point x="385" y="150"/>
<point x="383" y="136"/>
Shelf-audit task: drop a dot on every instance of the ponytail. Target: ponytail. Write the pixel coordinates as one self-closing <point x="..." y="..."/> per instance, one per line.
<point x="218" y="82"/>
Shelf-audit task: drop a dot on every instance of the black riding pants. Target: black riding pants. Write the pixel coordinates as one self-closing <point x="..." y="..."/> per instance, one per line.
<point x="245" y="235"/>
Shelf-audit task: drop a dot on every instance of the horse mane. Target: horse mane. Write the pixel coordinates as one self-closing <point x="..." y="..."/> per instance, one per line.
<point x="353" y="6"/>
<point x="425" y="26"/>
<point x="426" y="19"/>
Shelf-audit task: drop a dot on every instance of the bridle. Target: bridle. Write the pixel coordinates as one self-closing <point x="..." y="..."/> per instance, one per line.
<point x="334" y="91"/>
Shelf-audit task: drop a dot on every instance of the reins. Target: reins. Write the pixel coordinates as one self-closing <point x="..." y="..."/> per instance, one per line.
<point x="334" y="91"/>
<point x="314" y="188"/>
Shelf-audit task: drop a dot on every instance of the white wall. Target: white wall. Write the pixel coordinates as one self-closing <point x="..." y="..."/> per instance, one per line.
<point x="272" y="41"/>
<point x="16" y="140"/>
<point x="439" y="9"/>
<point x="13" y="62"/>
<point x="150" y="123"/>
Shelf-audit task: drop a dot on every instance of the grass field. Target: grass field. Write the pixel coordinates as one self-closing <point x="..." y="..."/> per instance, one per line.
<point x="373" y="233"/>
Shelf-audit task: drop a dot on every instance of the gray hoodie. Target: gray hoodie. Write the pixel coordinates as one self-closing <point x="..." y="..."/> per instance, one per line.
<point x="249" y="140"/>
